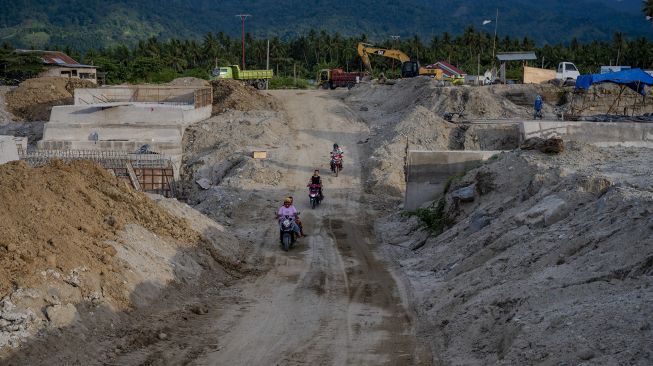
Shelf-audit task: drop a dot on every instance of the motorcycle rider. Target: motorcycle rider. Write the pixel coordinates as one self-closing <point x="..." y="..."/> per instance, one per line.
<point x="336" y="151"/>
<point x="317" y="180"/>
<point x="297" y="219"/>
<point x="289" y="210"/>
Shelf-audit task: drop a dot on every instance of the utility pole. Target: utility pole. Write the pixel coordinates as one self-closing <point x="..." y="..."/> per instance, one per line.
<point x="496" y="25"/>
<point x="267" y="63"/>
<point x="394" y="45"/>
<point x="478" y="70"/>
<point x="242" y="19"/>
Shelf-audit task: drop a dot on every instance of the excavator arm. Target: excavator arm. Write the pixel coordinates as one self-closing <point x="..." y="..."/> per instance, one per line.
<point x="364" y="50"/>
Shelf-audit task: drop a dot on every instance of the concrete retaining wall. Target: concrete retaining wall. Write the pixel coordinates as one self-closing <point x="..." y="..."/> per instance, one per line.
<point x="136" y="94"/>
<point x="595" y="133"/>
<point x="428" y="172"/>
<point x="8" y="149"/>
<point x="128" y="114"/>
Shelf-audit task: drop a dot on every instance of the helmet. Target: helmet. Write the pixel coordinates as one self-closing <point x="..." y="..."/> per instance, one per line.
<point x="335" y="146"/>
<point x="287" y="200"/>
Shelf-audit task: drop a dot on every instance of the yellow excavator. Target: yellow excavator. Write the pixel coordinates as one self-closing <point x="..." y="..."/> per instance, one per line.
<point x="409" y="68"/>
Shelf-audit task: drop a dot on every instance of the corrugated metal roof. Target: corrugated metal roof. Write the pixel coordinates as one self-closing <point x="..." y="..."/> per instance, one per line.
<point x="56" y="58"/>
<point x="448" y="69"/>
<point x="516" y="56"/>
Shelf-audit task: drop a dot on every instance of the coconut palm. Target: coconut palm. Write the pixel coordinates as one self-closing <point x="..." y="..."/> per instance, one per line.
<point x="648" y="9"/>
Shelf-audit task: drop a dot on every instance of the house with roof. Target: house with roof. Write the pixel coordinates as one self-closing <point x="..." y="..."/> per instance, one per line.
<point x="61" y="65"/>
<point x="448" y="70"/>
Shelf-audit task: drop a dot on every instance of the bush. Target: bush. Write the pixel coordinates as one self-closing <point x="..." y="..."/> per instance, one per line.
<point x="287" y="83"/>
<point x="434" y="218"/>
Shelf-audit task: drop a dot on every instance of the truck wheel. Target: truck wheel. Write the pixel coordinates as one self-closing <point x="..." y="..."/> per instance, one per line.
<point x="332" y="86"/>
<point x="350" y="85"/>
<point x="260" y="85"/>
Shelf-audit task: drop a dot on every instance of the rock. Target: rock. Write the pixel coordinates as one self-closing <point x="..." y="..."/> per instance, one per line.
<point x="465" y="194"/>
<point x="596" y="185"/>
<point x="203" y="183"/>
<point x="7" y="305"/>
<point x="5" y="337"/>
<point x="547" y="212"/>
<point x="199" y="309"/>
<point x="13" y="317"/>
<point x="163" y="336"/>
<point x="364" y="109"/>
<point x="62" y="315"/>
<point x="586" y="354"/>
<point x="478" y="220"/>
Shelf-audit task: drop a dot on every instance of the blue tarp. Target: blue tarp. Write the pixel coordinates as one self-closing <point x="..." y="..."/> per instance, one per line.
<point x="635" y="79"/>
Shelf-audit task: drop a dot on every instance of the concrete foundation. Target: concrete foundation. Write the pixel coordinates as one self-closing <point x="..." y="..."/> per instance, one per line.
<point x="428" y="172"/>
<point x="126" y="118"/>
<point x="8" y="149"/>
<point x="596" y="133"/>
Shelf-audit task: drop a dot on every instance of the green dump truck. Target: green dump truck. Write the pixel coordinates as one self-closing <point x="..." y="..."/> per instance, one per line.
<point x="256" y="78"/>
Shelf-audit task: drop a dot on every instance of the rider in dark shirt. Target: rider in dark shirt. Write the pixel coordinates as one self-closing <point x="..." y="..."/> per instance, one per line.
<point x="316" y="179"/>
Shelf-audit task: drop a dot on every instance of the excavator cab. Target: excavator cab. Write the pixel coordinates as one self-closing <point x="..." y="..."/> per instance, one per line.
<point x="409" y="69"/>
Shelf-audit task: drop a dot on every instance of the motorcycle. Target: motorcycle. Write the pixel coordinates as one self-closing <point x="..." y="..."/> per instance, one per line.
<point x="336" y="163"/>
<point x="286" y="233"/>
<point x="314" y="195"/>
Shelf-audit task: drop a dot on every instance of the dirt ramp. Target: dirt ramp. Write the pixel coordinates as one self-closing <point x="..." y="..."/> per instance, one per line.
<point x="34" y="98"/>
<point x="232" y="94"/>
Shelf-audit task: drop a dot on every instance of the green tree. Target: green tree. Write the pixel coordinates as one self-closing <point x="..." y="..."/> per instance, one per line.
<point x="647" y="8"/>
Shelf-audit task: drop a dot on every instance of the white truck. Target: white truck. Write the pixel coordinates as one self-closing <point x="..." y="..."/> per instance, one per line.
<point x="567" y="72"/>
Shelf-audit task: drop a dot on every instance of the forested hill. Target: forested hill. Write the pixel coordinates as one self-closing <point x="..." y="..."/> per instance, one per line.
<point x="96" y="23"/>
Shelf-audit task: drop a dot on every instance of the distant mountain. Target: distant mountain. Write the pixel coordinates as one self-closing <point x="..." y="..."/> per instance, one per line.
<point x="98" y="23"/>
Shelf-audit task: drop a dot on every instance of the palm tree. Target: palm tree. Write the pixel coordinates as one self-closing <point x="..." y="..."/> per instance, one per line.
<point x="648" y="9"/>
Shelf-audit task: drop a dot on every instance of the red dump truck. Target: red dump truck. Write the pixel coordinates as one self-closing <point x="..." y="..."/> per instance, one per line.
<point x="333" y="78"/>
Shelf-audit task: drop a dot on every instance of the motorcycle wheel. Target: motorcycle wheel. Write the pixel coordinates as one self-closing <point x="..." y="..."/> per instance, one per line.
<point x="313" y="203"/>
<point x="286" y="242"/>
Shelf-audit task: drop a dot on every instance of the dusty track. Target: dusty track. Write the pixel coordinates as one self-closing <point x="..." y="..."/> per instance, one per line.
<point x="329" y="301"/>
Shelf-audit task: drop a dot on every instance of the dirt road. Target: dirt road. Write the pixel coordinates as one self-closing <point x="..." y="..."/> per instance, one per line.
<point x="329" y="301"/>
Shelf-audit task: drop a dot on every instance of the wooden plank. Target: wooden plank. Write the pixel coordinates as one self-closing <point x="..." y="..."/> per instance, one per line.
<point x="132" y="177"/>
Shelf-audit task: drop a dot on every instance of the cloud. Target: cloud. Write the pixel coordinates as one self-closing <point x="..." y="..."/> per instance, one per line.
<point x="487" y="22"/>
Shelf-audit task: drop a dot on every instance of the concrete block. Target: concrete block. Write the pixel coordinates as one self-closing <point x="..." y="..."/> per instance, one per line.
<point x="629" y="134"/>
<point x="8" y="149"/>
<point x="428" y="171"/>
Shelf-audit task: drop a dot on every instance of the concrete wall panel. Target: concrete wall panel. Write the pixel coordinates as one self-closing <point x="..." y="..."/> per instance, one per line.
<point x="428" y="172"/>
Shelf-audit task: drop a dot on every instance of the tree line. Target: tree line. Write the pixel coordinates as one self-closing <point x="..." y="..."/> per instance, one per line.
<point x="155" y="60"/>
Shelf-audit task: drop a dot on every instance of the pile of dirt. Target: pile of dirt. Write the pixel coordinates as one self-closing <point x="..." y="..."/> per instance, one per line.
<point x="418" y="114"/>
<point x="232" y="94"/>
<point x="61" y="215"/>
<point x="188" y="81"/>
<point x="76" y="237"/>
<point x="33" y="99"/>
<point x="218" y="171"/>
<point x="5" y="115"/>
<point x="547" y="259"/>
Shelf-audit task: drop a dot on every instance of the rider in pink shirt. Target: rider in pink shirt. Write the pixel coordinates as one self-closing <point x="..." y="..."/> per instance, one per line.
<point x="289" y="210"/>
